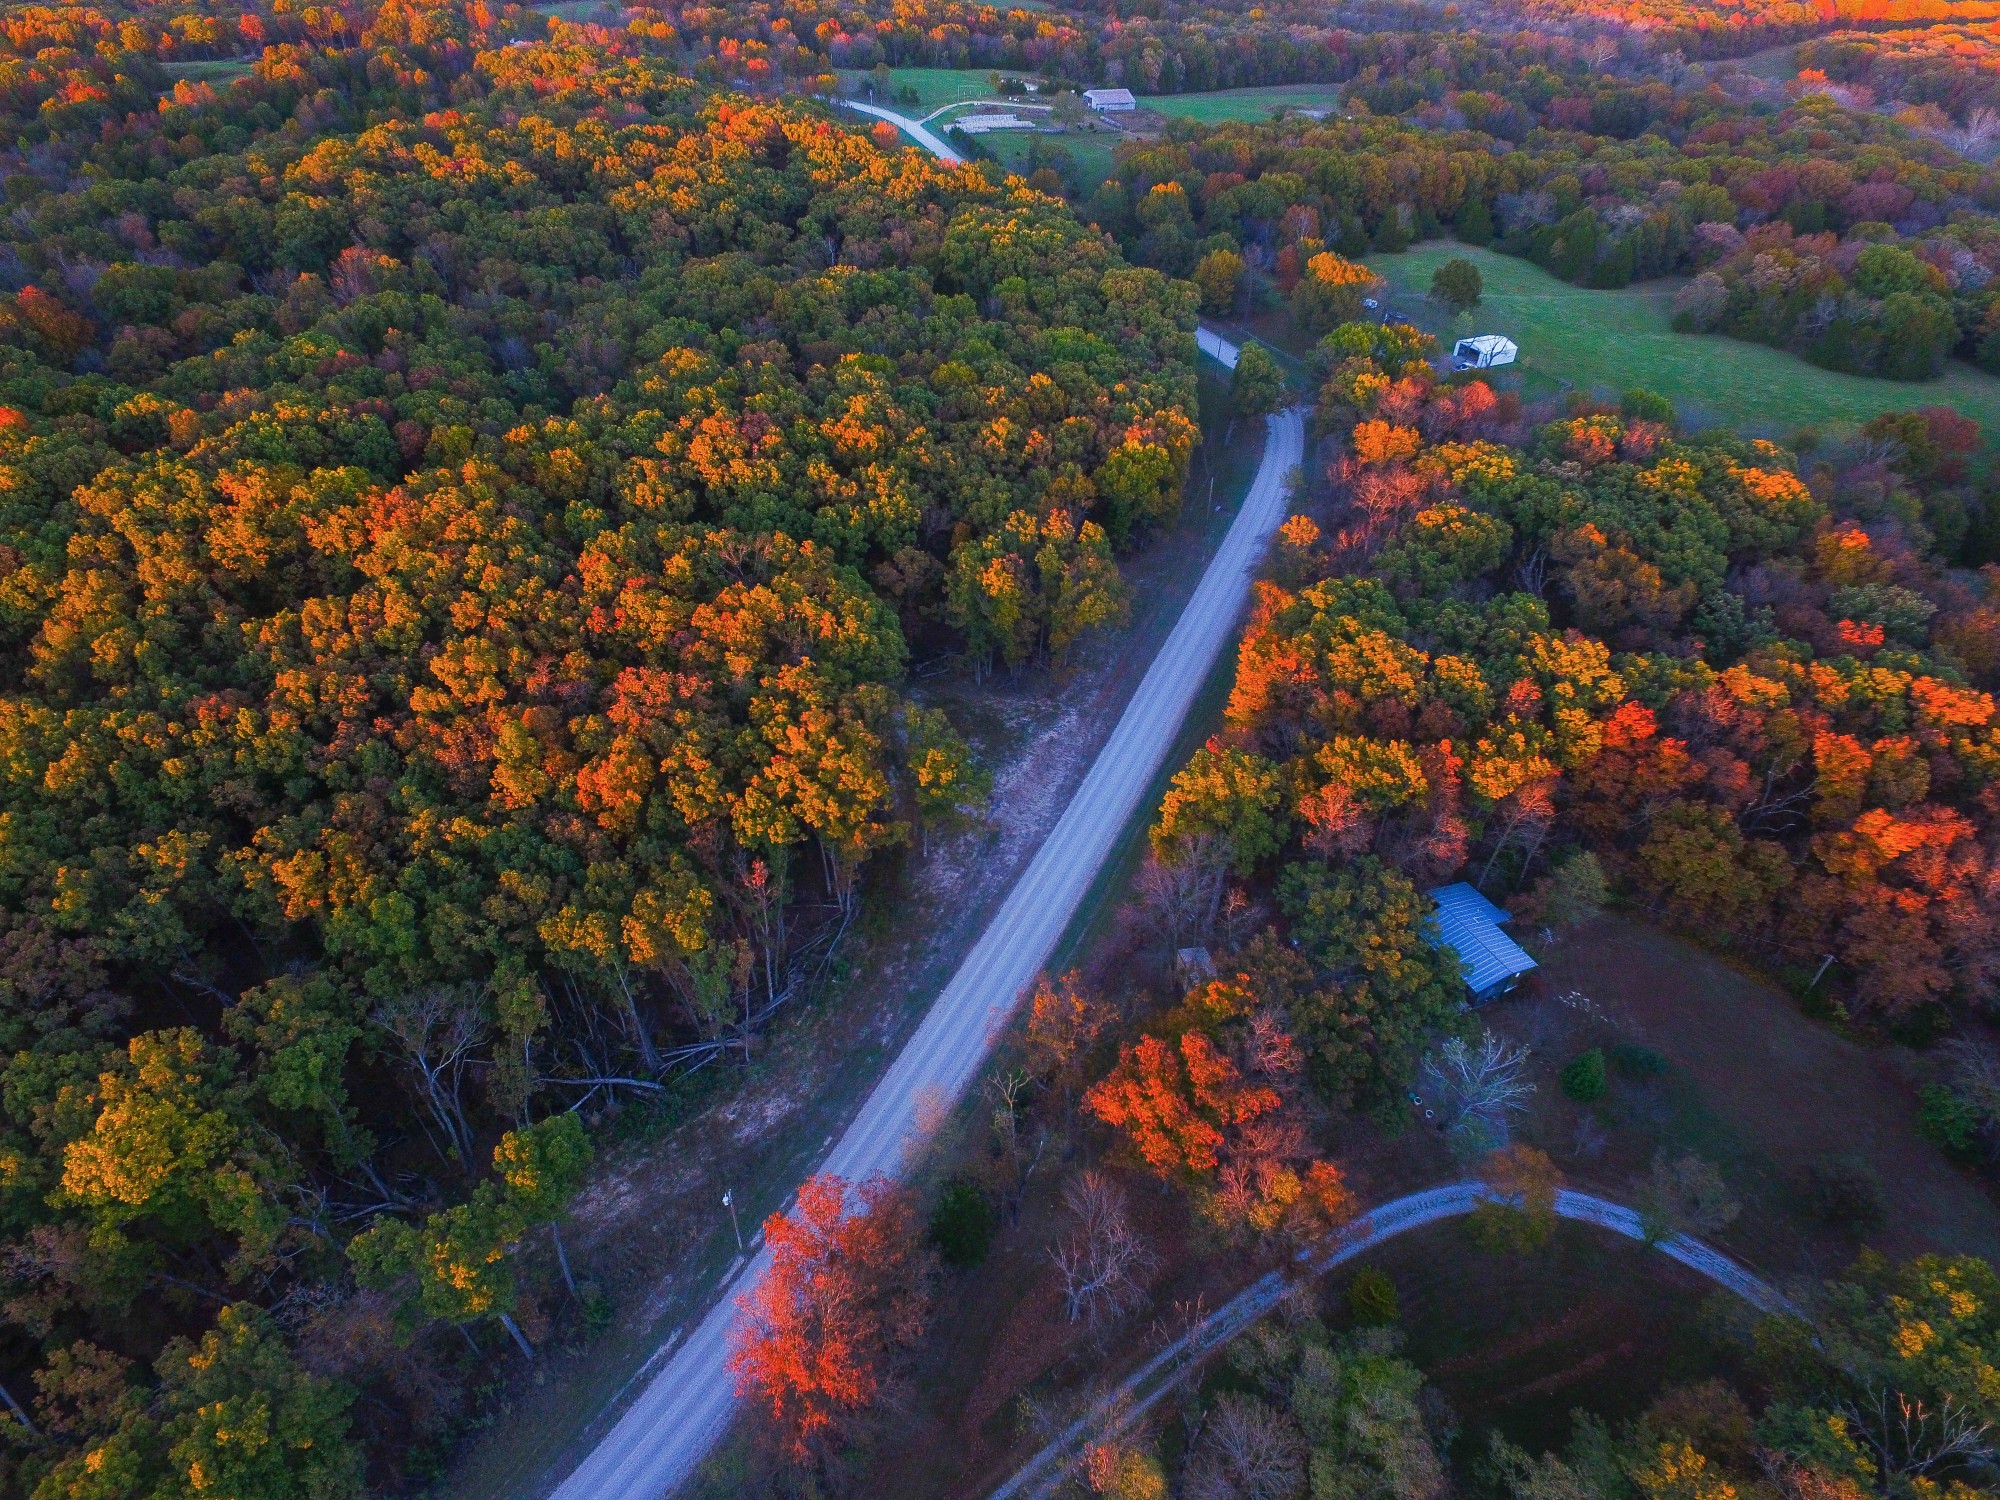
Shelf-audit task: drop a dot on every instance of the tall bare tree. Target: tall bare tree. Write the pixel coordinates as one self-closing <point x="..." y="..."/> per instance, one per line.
<point x="1477" y="1087"/>
<point x="437" y="1029"/>
<point x="1102" y="1258"/>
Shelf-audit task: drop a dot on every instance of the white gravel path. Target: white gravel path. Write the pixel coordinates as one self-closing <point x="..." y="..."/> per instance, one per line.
<point x="1119" y="1409"/>
<point x="915" y="130"/>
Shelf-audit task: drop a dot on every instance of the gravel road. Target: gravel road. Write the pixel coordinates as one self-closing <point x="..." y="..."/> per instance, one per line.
<point x="1120" y="1408"/>
<point x="681" y="1411"/>
<point x="916" y="131"/>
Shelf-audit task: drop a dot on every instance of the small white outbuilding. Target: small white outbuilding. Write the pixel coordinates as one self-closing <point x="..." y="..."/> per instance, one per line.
<point x="981" y="124"/>
<point x="1483" y="352"/>
<point x="1104" y="100"/>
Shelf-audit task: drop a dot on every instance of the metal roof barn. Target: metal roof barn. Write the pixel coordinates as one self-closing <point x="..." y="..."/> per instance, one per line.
<point x="1469" y="925"/>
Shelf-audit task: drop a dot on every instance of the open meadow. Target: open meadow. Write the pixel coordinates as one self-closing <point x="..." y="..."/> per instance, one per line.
<point x="1616" y="341"/>
<point x="1244" y="104"/>
<point x="935" y="87"/>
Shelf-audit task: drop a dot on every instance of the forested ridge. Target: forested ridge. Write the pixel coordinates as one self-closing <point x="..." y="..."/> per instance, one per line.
<point x="466" y="512"/>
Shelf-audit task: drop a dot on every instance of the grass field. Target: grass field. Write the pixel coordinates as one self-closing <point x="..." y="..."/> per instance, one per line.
<point x="1243" y="104"/>
<point x="936" y="87"/>
<point x="1092" y="153"/>
<point x="1773" y="64"/>
<point x="1614" y="341"/>
<point x="211" y="70"/>
<point x="580" y="10"/>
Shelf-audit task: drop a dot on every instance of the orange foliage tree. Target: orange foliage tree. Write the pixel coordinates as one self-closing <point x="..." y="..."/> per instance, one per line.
<point x="847" y="1287"/>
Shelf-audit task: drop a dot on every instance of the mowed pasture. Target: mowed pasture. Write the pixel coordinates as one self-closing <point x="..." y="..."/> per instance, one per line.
<point x="605" y="12"/>
<point x="1091" y="153"/>
<point x="215" y="71"/>
<point x="935" y="87"/>
<point x="1614" y="341"/>
<point x="1243" y="104"/>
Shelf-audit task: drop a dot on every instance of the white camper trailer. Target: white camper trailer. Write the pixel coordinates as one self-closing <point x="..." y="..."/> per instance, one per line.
<point x="1483" y="352"/>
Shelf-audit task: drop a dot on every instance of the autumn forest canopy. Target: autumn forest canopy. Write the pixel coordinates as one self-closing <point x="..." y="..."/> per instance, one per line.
<point x="460" y="566"/>
<point x="475" y="488"/>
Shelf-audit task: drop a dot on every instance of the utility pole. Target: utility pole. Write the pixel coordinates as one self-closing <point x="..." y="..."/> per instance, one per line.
<point x="729" y="1202"/>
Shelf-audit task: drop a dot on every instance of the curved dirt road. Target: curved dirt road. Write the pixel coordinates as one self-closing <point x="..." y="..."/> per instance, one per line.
<point x="678" y="1415"/>
<point x="1120" y="1408"/>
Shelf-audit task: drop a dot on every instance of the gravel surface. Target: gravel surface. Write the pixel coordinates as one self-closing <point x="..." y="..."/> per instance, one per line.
<point x="1120" y="1408"/>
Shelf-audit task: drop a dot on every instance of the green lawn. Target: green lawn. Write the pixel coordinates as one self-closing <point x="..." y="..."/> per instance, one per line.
<point x="1244" y="104"/>
<point x="936" y="87"/>
<point x="1614" y="341"/>
<point x="1092" y="153"/>
<point x="1773" y="64"/>
<point x="211" y="70"/>
<point x="580" y="10"/>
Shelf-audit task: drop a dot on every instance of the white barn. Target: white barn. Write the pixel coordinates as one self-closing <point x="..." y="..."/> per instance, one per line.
<point x="1109" y="99"/>
<point x="1483" y="352"/>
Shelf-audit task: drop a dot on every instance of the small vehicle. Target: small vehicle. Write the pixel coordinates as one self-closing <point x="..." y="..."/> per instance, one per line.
<point x="1483" y="352"/>
<point x="1370" y="303"/>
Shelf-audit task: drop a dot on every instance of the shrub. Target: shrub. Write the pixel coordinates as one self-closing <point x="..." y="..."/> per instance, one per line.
<point x="1948" y="1121"/>
<point x="1635" y="1061"/>
<point x="1584" y="1079"/>
<point x="1371" y="1297"/>
<point x="1647" y="406"/>
<point x="962" y="1224"/>
<point x="1457" y="286"/>
<point x="1845" y="1193"/>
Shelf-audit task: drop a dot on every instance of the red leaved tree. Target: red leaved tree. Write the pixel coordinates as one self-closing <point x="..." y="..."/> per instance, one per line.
<point x="848" y="1286"/>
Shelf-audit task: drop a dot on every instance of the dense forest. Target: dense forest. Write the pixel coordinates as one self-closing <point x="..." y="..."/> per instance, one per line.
<point x="467" y="511"/>
<point x="473" y="486"/>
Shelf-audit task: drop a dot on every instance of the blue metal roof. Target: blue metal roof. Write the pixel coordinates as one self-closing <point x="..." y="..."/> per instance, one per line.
<point x="1469" y="925"/>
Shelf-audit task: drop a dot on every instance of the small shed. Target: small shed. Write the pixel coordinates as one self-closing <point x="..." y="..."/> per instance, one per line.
<point x="1469" y="925"/>
<point x="1194" y="966"/>
<point x="1483" y="352"/>
<point x="1110" y="99"/>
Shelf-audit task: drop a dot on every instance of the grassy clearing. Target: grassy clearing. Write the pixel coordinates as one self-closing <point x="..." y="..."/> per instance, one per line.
<point x="1092" y="153"/>
<point x="1614" y="341"/>
<point x="1773" y="64"/>
<point x="1243" y="104"/>
<point x="936" y="87"/>
<point x="580" y="10"/>
<point x="212" y="70"/>
<point x="1755" y="1085"/>
<point x="1518" y="1342"/>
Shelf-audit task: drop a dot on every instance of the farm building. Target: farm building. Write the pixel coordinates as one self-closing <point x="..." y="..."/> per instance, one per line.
<point x="1483" y="352"/>
<point x="1469" y="925"/>
<point x="1110" y="99"/>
